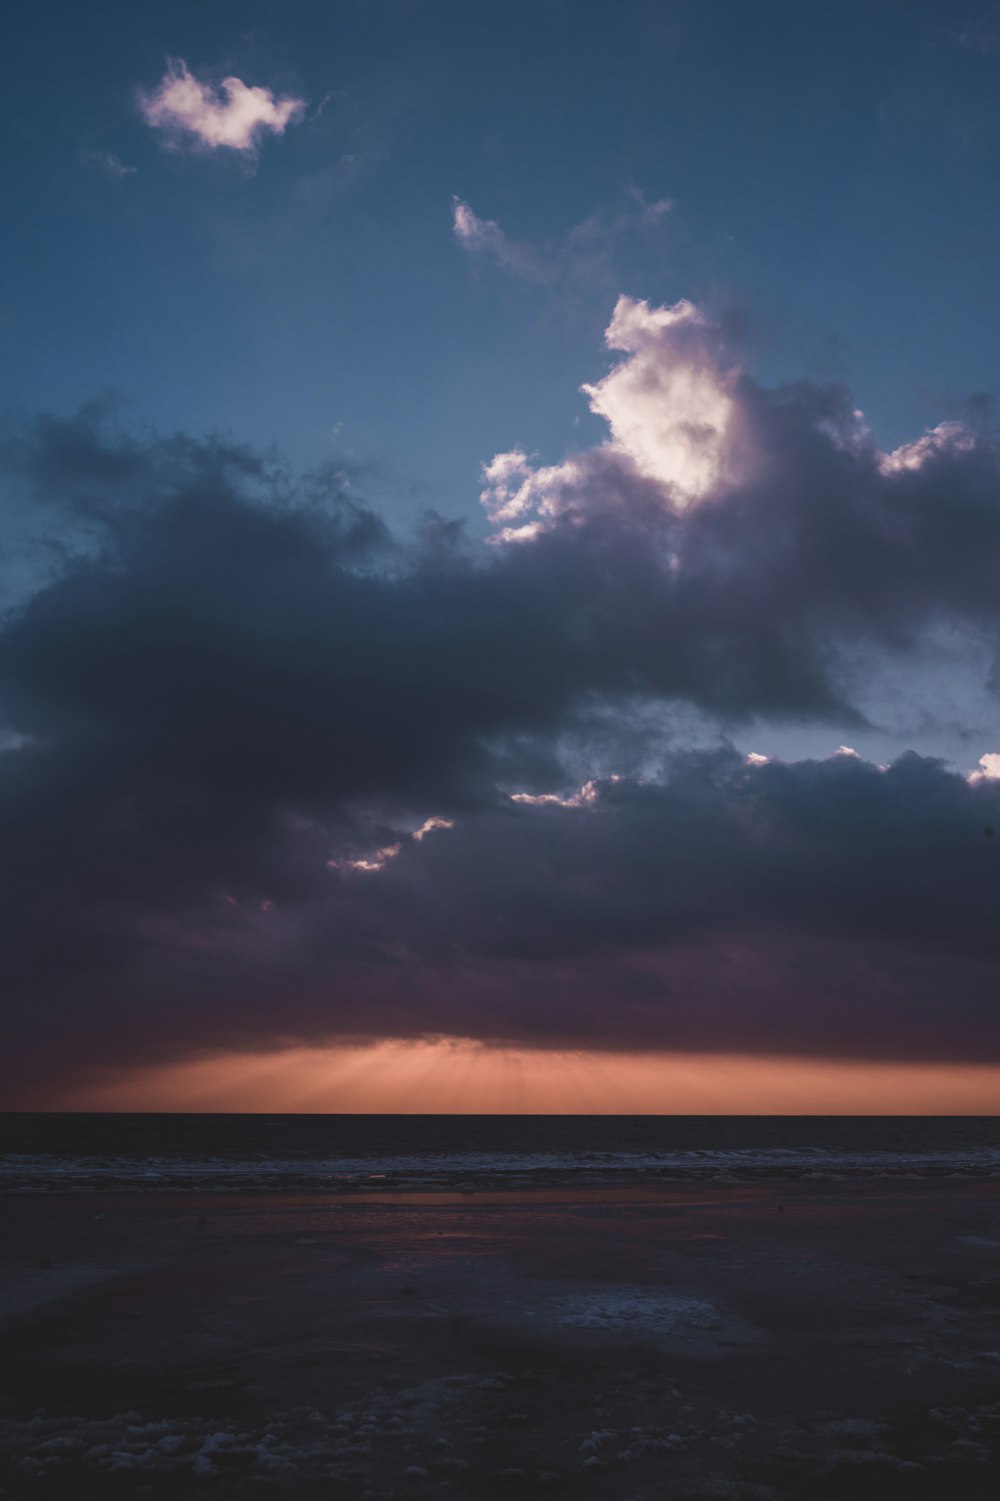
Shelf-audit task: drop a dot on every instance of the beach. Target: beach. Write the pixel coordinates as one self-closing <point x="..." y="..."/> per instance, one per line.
<point x="815" y="1338"/>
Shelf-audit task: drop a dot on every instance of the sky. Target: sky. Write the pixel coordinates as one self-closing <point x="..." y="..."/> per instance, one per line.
<point x="499" y="556"/>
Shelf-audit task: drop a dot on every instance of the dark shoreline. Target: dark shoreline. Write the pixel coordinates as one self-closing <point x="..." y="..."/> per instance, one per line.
<point x="766" y="1342"/>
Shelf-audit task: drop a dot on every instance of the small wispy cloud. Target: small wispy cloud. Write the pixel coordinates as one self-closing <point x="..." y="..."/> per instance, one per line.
<point x="585" y="797"/>
<point x="235" y="115"/>
<point x="106" y="162"/>
<point x="583" y="252"/>
<point x="431" y="826"/>
<point x="368" y="863"/>
<point x="485" y="237"/>
<point x="378" y="859"/>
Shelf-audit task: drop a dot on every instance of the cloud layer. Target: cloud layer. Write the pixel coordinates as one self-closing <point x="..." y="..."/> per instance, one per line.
<point x="268" y="772"/>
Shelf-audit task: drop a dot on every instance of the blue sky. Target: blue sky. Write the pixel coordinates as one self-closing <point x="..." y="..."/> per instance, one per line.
<point x="832" y="170"/>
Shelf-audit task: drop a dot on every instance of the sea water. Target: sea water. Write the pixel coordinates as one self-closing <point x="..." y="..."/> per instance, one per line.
<point x="345" y="1153"/>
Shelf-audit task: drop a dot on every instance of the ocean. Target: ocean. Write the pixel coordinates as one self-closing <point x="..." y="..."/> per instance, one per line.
<point x="351" y="1154"/>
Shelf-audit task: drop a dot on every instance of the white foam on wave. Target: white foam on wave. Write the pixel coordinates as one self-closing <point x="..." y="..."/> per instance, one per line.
<point x="36" y="1172"/>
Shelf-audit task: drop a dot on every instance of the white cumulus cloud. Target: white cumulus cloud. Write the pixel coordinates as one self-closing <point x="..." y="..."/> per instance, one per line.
<point x="235" y="115"/>
<point x="673" y="420"/>
<point x="684" y="428"/>
<point x="947" y="437"/>
<point x="669" y="404"/>
<point x="988" y="769"/>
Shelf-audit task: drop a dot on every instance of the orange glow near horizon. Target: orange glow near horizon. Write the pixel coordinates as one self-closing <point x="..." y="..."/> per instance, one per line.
<point x="456" y="1076"/>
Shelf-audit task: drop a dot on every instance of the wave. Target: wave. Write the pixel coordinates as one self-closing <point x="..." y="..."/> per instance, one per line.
<point x="40" y="1172"/>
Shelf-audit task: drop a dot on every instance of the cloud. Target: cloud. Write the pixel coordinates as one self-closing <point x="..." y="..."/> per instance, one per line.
<point x="235" y="115"/>
<point x="586" y="794"/>
<point x="431" y="826"/>
<point x="485" y="237"/>
<point x="271" y="771"/>
<point x="707" y="902"/>
<point x="669" y="406"/>
<point x="583" y="256"/>
<point x="674" y="417"/>
<point x="988" y="769"/>
<point x="107" y="163"/>
<point x="947" y="437"/>
<point x="688" y="429"/>
<point x="367" y="863"/>
<point x="379" y="859"/>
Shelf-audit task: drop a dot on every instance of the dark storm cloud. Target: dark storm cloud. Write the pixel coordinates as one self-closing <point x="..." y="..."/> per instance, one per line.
<point x="830" y="905"/>
<point x="220" y="687"/>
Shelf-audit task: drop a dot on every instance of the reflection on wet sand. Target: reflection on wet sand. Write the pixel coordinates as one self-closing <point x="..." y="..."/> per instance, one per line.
<point x="765" y="1341"/>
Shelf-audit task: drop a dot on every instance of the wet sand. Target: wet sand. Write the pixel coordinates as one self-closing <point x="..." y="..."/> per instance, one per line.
<point x="804" y="1340"/>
